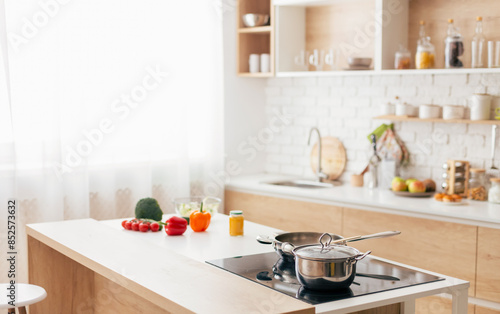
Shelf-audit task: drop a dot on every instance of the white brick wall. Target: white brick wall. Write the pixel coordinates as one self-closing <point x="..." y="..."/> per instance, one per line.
<point x="344" y="106"/>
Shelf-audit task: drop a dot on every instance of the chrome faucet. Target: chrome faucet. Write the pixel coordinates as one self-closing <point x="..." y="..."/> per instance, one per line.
<point x="321" y="175"/>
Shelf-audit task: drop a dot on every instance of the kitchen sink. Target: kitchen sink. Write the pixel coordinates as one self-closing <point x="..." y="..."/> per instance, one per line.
<point x="308" y="184"/>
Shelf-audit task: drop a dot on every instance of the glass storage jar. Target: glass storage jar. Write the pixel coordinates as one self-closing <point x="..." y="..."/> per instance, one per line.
<point x="236" y="221"/>
<point x="478" y="188"/>
<point x="494" y="193"/>
<point x="402" y="59"/>
<point x="425" y="55"/>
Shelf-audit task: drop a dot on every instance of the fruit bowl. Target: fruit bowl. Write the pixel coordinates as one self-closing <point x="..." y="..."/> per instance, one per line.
<point x="410" y="194"/>
<point x="184" y="206"/>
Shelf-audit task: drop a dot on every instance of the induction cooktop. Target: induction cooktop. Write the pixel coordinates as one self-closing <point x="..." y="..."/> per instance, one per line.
<point x="372" y="276"/>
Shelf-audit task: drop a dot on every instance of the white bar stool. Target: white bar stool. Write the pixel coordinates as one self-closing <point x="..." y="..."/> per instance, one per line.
<point x="26" y="294"/>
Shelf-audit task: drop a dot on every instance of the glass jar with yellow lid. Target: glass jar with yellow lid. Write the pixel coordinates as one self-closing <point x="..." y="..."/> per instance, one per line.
<point x="236" y="223"/>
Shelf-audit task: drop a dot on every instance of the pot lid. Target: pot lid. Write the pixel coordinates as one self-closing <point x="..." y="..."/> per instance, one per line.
<point x="321" y="252"/>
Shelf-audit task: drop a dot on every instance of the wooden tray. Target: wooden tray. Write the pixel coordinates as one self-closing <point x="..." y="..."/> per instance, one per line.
<point x="333" y="157"/>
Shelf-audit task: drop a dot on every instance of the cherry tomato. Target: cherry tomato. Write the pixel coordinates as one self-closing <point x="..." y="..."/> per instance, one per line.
<point x="128" y="225"/>
<point x="135" y="226"/>
<point x="143" y="227"/>
<point x="155" y="226"/>
<point x="123" y="224"/>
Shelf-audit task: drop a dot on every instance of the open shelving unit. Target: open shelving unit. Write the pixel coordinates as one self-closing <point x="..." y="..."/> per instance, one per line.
<point x="415" y="119"/>
<point x="384" y="24"/>
<point x="254" y="40"/>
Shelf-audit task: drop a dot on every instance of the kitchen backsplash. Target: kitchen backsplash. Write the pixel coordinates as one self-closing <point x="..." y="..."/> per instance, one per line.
<point x="343" y="107"/>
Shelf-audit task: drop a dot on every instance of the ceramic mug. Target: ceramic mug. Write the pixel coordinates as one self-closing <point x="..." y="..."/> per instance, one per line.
<point x="253" y="63"/>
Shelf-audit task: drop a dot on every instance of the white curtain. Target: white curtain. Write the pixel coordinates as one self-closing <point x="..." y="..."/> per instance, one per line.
<point x="111" y="101"/>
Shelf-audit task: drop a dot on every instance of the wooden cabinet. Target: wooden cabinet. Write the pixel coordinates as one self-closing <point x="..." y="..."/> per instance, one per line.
<point x="488" y="264"/>
<point x="254" y="40"/>
<point x="442" y="247"/>
<point x="285" y="214"/>
<point x="484" y="310"/>
<point x="463" y="251"/>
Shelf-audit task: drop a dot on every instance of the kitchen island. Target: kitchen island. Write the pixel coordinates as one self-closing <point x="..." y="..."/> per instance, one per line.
<point x="88" y="266"/>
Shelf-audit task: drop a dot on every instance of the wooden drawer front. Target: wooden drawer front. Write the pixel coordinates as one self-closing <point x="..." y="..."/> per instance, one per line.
<point x="484" y="310"/>
<point x="488" y="264"/>
<point x="446" y="248"/>
<point x="285" y="214"/>
<point x="437" y="305"/>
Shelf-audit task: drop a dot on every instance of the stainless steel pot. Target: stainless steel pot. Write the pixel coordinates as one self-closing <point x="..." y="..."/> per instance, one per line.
<point x="326" y="267"/>
<point x="292" y="240"/>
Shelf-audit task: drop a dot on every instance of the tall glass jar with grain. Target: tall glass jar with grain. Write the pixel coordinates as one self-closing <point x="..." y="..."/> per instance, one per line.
<point x="478" y="185"/>
<point x="425" y="55"/>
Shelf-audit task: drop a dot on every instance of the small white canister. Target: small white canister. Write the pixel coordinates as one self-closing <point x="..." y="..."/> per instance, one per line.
<point x="429" y="112"/>
<point x="388" y="109"/>
<point x="451" y="112"/>
<point x="404" y="109"/>
<point x="480" y="107"/>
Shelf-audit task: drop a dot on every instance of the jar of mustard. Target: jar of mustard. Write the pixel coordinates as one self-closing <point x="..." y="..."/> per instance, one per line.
<point x="236" y="222"/>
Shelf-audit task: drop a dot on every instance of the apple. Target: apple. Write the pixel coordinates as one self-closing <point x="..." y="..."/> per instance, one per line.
<point x="410" y="180"/>
<point x="430" y="185"/>
<point x="416" y="187"/>
<point x="398" y="184"/>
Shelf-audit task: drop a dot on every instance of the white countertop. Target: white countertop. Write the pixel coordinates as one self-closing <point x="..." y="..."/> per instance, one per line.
<point x="472" y="212"/>
<point x="106" y="248"/>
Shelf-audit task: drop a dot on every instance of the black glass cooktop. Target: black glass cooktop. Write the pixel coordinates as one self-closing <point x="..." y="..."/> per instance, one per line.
<point x="372" y="276"/>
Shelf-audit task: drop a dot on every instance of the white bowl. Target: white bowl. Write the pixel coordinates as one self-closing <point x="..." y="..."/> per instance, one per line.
<point x="451" y="112"/>
<point x="429" y="112"/>
<point x="252" y="19"/>
<point x="359" y="62"/>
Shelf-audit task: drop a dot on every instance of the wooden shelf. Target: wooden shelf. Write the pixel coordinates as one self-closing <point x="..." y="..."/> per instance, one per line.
<point x="415" y="119"/>
<point x="258" y="29"/>
<point x="259" y="74"/>
<point x="385" y="72"/>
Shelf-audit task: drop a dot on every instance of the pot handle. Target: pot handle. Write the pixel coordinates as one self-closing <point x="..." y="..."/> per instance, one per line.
<point x="287" y="247"/>
<point x="361" y="256"/>
<point x="264" y="239"/>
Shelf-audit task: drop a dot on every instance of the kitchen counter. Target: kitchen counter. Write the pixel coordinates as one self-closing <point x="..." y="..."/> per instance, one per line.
<point x="89" y="266"/>
<point x="475" y="213"/>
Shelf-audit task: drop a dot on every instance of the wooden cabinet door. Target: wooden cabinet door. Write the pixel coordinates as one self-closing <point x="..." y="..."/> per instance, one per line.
<point x="488" y="264"/>
<point x="442" y="247"/>
<point x="484" y="310"/>
<point x="285" y="214"/>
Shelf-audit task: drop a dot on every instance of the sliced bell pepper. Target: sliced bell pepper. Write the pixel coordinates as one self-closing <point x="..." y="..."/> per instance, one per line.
<point x="199" y="220"/>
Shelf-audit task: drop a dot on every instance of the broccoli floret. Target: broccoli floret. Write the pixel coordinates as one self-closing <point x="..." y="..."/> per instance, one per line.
<point x="148" y="208"/>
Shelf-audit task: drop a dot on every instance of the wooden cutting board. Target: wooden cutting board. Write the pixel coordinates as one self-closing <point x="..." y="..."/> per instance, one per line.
<point x="333" y="157"/>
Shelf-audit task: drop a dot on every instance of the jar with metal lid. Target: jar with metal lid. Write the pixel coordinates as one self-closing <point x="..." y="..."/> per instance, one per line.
<point x="478" y="187"/>
<point x="402" y="59"/>
<point x="494" y="193"/>
<point x="453" y="47"/>
<point x="236" y="222"/>
<point x="425" y="55"/>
